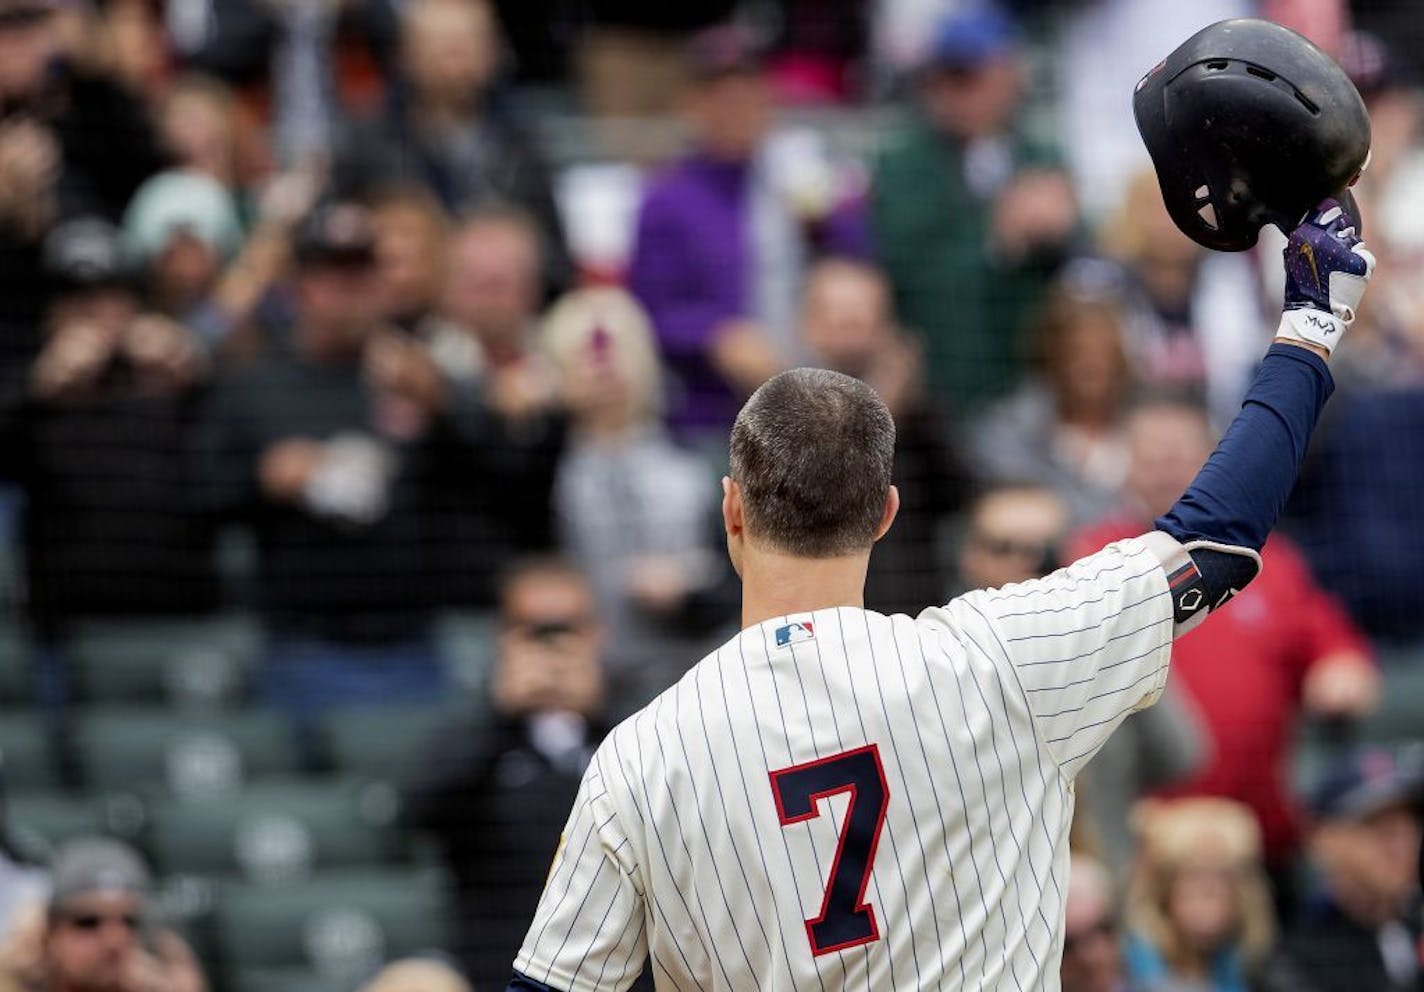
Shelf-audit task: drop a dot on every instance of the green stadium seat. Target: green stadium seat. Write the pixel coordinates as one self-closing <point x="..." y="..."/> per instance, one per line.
<point x="277" y="831"/>
<point x="466" y="642"/>
<point x="381" y="742"/>
<point x="182" y="661"/>
<point x="26" y="757"/>
<point x="338" y="926"/>
<point x="187" y="903"/>
<point x="184" y="753"/>
<point x="42" y="821"/>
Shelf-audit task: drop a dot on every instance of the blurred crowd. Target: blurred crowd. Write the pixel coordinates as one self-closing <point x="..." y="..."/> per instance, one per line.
<point x="355" y="314"/>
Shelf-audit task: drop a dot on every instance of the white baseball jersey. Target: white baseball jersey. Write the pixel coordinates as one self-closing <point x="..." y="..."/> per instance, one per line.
<point x="844" y="800"/>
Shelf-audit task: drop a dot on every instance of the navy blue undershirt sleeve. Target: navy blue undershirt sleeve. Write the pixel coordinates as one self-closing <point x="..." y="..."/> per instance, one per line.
<point x="523" y="983"/>
<point x="1240" y="491"/>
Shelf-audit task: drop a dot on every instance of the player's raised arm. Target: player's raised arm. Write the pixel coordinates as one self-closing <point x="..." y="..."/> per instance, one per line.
<point x="1091" y="643"/>
<point x="1219" y="525"/>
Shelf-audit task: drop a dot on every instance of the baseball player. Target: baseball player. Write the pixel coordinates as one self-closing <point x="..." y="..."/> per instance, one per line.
<point x="836" y="799"/>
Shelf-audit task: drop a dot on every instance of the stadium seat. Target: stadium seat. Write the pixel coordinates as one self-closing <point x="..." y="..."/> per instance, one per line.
<point x="180" y="661"/>
<point x="276" y="832"/>
<point x="466" y="642"/>
<point x="339" y="926"/>
<point x="187" y="903"/>
<point x="41" y="821"/>
<point x="381" y="742"/>
<point x="26" y="757"/>
<point x="185" y="754"/>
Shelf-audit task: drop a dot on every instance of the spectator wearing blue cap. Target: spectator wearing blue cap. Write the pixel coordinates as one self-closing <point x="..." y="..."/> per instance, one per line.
<point x="1364" y="930"/>
<point x="971" y="212"/>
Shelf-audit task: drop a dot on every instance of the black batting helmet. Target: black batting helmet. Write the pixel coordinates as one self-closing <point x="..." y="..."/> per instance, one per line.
<point x="1247" y="124"/>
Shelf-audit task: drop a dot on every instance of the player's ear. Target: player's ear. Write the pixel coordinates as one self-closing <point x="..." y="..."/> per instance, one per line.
<point x="892" y="507"/>
<point x="732" y="507"/>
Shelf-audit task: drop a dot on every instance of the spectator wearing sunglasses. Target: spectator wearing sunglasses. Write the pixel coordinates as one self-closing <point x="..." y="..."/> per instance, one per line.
<point x="101" y="934"/>
<point x="494" y="787"/>
<point x="1014" y="534"/>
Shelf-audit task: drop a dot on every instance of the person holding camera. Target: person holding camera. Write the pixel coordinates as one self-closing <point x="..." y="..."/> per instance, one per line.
<point x="492" y="787"/>
<point x="99" y="446"/>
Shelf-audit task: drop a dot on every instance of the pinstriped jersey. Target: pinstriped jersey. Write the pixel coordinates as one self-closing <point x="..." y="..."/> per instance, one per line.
<point x="845" y="800"/>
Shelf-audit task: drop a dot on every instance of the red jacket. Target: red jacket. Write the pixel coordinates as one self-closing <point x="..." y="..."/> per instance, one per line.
<point x="1243" y="668"/>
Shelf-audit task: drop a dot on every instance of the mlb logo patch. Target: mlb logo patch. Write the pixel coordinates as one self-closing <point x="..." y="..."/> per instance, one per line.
<point x="793" y="633"/>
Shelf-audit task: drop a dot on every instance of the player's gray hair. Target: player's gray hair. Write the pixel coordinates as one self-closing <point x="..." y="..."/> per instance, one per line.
<point x="812" y="451"/>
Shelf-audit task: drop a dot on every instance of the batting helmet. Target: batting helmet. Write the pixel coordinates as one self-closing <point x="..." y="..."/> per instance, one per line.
<point x="1247" y="124"/>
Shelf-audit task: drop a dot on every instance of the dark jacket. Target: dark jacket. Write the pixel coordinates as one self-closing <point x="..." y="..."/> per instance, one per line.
<point x="1356" y="509"/>
<point x="1327" y="951"/>
<point x="109" y="527"/>
<point x="335" y="579"/>
<point x="496" y="806"/>
<point x="490" y="498"/>
<point x="23" y="298"/>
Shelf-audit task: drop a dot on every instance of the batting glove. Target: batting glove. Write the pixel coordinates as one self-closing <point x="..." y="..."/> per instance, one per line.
<point x="1327" y="267"/>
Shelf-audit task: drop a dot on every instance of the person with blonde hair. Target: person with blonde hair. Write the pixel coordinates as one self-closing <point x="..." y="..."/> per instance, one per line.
<point x="601" y="341"/>
<point x="634" y="509"/>
<point x="1199" y="913"/>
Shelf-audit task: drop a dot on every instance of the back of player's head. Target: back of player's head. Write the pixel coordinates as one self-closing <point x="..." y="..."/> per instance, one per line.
<point x="812" y="452"/>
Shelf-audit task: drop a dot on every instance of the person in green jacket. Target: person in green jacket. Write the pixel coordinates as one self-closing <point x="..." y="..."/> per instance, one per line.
<point x="971" y="215"/>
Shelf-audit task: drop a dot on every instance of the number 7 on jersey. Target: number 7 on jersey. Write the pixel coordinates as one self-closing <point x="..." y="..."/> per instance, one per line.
<point x="845" y="920"/>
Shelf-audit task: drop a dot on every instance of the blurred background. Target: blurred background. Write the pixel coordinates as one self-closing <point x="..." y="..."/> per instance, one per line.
<point x="366" y="368"/>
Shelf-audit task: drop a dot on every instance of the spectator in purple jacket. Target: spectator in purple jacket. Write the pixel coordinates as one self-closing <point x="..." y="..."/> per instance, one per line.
<point x="725" y="234"/>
